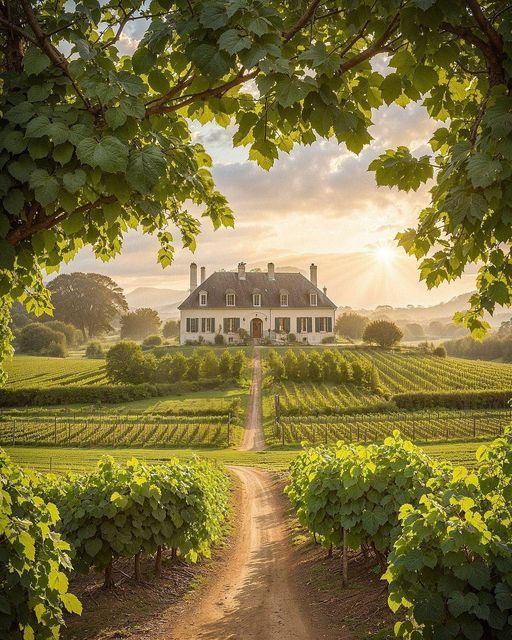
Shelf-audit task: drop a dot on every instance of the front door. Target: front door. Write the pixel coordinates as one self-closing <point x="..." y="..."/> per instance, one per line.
<point x="256" y="328"/>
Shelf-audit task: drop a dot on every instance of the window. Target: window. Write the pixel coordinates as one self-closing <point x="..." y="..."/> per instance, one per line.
<point x="203" y="299"/>
<point x="313" y="299"/>
<point x="256" y="299"/>
<point x="323" y="325"/>
<point x="230" y="299"/>
<point x="304" y="325"/>
<point x="192" y="325"/>
<point x="283" y="298"/>
<point x="282" y="325"/>
<point x="231" y="325"/>
<point x="208" y="325"/>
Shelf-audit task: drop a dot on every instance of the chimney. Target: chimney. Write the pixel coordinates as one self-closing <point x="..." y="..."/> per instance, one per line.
<point x="203" y="274"/>
<point x="193" y="276"/>
<point x="313" y="274"/>
<point x="241" y="270"/>
<point x="325" y="291"/>
<point x="271" y="273"/>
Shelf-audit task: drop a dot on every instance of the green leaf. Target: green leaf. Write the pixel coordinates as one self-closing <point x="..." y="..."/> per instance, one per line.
<point x="234" y="41"/>
<point x="75" y="180"/>
<point x="109" y="154"/>
<point x="35" y="61"/>
<point x="115" y="117"/>
<point x="483" y="170"/>
<point x="143" y="60"/>
<point x="46" y="187"/>
<point x="37" y="127"/>
<point x="210" y="60"/>
<point x="424" y="78"/>
<point x="259" y="26"/>
<point x="93" y="546"/>
<point x="21" y="113"/>
<point x="391" y="87"/>
<point x="63" y="153"/>
<point x="158" y="81"/>
<point x="7" y="254"/>
<point x="145" y="167"/>
<point x="71" y="603"/>
<point x="429" y="608"/>
<point x="14" y="201"/>
<point x="132" y="84"/>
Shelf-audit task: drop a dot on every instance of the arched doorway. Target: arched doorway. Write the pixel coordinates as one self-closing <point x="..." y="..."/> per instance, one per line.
<point x="256" y="328"/>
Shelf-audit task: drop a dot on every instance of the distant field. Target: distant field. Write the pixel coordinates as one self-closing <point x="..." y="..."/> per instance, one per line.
<point x="63" y="460"/>
<point x="37" y="371"/>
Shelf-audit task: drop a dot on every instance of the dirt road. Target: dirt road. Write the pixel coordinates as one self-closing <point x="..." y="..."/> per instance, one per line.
<point x="253" y="439"/>
<point x="254" y="596"/>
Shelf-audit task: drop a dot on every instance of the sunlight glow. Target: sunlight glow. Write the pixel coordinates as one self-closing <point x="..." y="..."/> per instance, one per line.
<point x="385" y="254"/>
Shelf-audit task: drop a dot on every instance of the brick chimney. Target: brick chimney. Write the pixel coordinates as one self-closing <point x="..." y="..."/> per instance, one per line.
<point x="203" y="274"/>
<point x="193" y="276"/>
<point x="313" y="274"/>
<point x="271" y="271"/>
<point x="241" y="270"/>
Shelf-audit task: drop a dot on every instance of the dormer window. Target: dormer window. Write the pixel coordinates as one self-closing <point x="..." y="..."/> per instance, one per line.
<point x="230" y="299"/>
<point x="313" y="299"/>
<point x="203" y="298"/>
<point x="283" y="298"/>
<point x="256" y="299"/>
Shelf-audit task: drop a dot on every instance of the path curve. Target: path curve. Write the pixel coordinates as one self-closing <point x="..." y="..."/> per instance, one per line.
<point x="254" y="596"/>
<point x="253" y="438"/>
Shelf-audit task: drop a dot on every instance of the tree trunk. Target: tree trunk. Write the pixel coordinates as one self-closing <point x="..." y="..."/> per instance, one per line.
<point x="158" y="561"/>
<point x="345" y="559"/>
<point x="137" y="572"/>
<point x="109" y="578"/>
<point x="329" y="553"/>
<point x="174" y="553"/>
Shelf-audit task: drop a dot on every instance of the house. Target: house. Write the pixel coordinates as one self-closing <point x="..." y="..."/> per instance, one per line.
<point x="266" y="305"/>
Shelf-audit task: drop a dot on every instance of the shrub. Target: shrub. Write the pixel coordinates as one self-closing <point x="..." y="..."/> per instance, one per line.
<point x="209" y="367"/>
<point x="451" y="566"/>
<point x="292" y="337"/>
<point x="179" y="367"/>
<point x="351" y="325"/>
<point x="486" y="399"/>
<point x="38" y="338"/>
<point x="171" y="329"/>
<point x="238" y="364"/>
<point x="73" y="336"/>
<point x="219" y="339"/>
<point x="225" y="365"/>
<point x="151" y="341"/>
<point x="328" y="340"/>
<point x="34" y="559"/>
<point x="94" y="350"/>
<point x="140" y="323"/>
<point x="276" y="365"/>
<point x="382" y="332"/>
<point x="125" y="363"/>
<point x="440" y="351"/>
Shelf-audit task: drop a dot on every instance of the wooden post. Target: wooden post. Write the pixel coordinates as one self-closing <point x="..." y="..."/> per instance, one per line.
<point x="345" y="559"/>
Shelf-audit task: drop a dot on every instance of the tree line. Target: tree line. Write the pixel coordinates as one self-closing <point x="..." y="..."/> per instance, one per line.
<point x="126" y="362"/>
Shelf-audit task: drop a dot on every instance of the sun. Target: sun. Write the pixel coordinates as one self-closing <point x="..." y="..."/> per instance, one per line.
<point x="385" y="254"/>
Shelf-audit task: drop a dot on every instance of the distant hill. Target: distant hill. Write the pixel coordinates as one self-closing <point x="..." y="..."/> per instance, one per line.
<point x="163" y="300"/>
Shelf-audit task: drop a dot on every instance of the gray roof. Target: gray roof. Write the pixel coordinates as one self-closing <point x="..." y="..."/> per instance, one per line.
<point x="295" y="284"/>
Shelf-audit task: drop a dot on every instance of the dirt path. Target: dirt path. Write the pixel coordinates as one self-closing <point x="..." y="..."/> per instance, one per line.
<point x="255" y="596"/>
<point x="253" y="438"/>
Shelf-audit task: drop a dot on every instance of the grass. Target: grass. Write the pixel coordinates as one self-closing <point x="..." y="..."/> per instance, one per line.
<point x="61" y="460"/>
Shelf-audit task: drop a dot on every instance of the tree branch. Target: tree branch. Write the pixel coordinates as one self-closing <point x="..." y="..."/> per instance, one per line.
<point x="485" y="25"/>
<point x="18" y="30"/>
<point x="303" y="20"/>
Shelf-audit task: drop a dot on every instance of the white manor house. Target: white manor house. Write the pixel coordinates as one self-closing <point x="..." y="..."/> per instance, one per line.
<point x="255" y="304"/>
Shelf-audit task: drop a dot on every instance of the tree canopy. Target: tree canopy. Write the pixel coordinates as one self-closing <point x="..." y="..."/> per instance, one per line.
<point x="382" y="332"/>
<point x="351" y="325"/>
<point x="96" y="141"/>
<point x="89" y="301"/>
<point x="140" y="323"/>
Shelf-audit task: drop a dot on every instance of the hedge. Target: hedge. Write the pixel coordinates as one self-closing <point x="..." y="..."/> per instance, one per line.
<point x="108" y="393"/>
<point x="487" y="399"/>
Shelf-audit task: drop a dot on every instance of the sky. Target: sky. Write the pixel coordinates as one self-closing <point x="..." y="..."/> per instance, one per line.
<point x="317" y="204"/>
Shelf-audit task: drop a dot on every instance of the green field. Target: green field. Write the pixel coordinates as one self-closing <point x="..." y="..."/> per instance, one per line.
<point x="38" y="371"/>
<point x="61" y="460"/>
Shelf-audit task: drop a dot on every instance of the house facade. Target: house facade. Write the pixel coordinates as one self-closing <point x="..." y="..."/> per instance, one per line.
<point x="264" y="305"/>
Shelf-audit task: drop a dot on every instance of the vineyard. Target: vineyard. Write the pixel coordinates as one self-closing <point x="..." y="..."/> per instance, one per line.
<point x="111" y="430"/>
<point x="418" y="426"/>
<point x="52" y="525"/>
<point x="36" y="371"/>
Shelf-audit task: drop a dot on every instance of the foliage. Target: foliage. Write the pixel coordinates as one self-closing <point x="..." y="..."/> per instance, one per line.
<point x="94" y="350"/>
<point x="38" y="338"/>
<point x="413" y="331"/>
<point x="492" y="347"/>
<point x="151" y="341"/>
<point x="171" y="329"/>
<point x="451" y="566"/>
<point x="140" y="323"/>
<point x="358" y="489"/>
<point x="33" y="561"/>
<point x="485" y="399"/>
<point x="440" y="351"/>
<point x="238" y="364"/>
<point x="125" y="362"/>
<point x="73" y="336"/>
<point x="89" y="301"/>
<point x="351" y="325"/>
<point x="209" y="367"/>
<point x="225" y="365"/>
<point x="219" y="339"/>
<point x="120" y="511"/>
<point x="382" y="332"/>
